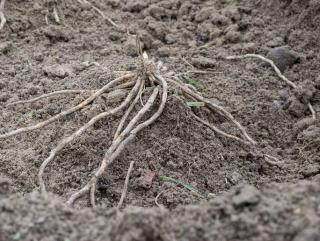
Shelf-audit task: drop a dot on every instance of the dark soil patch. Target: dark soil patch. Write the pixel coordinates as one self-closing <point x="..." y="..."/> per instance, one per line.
<point x="85" y="52"/>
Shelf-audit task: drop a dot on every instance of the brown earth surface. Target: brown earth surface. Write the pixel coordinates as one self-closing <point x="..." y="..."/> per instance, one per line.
<point x="82" y="51"/>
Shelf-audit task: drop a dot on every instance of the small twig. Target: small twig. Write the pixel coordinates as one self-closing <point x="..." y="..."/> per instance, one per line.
<point x="3" y="19"/>
<point x="92" y="194"/>
<point x="100" y="12"/>
<point x="156" y="199"/>
<point x="125" y="187"/>
<point x="313" y="112"/>
<point x="186" y="62"/>
<point x="69" y="111"/>
<point x="281" y="76"/>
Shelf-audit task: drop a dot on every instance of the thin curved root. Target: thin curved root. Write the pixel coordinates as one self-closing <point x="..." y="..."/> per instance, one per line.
<point x="70" y="92"/>
<point x="278" y="72"/>
<point x="3" y="19"/>
<point x="59" y="92"/>
<point x="69" y="111"/>
<point x="125" y="187"/>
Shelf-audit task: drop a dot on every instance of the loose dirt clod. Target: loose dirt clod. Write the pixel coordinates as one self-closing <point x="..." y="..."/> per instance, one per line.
<point x="283" y="58"/>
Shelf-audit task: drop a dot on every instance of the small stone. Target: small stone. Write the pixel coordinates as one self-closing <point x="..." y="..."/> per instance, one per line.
<point x="60" y="71"/>
<point x="312" y="132"/>
<point x="146" y="180"/>
<point x="146" y="39"/>
<point x="130" y="47"/>
<point x="278" y="41"/>
<point x="38" y="57"/>
<point x="57" y="34"/>
<point x="232" y="13"/>
<point x="164" y="51"/>
<point x="310" y="170"/>
<point x="5" y="185"/>
<point x="249" y="47"/>
<point x="171" y="38"/>
<point x="114" y="36"/>
<point x="233" y="36"/>
<point x="113" y="3"/>
<point x="5" y="47"/>
<point x="283" y="57"/>
<point x="203" y="62"/>
<point x="303" y="124"/>
<point x="246" y="195"/>
<point x="204" y="14"/>
<point x="33" y="90"/>
<point x="136" y="5"/>
<point x="172" y="165"/>
<point x="235" y="178"/>
<point x="316" y="178"/>
<point x="296" y="108"/>
<point x="4" y="97"/>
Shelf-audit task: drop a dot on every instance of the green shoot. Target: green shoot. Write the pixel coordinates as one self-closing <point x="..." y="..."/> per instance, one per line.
<point x="56" y="15"/>
<point x="195" y="104"/>
<point x="243" y="172"/>
<point x="30" y="114"/>
<point x="190" y="80"/>
<point x="232" y="2"/>
<point x="186" y="186"/>
<point x="17" y="236"/>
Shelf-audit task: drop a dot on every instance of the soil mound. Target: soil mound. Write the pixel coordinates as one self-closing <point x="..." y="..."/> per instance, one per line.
<point x="277" y="212"/>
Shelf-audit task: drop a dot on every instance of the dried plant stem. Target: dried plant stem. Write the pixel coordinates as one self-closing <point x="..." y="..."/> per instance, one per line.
<point x="125" y="187"/>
